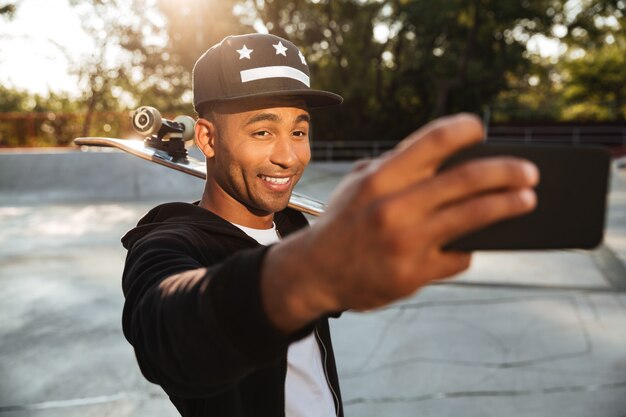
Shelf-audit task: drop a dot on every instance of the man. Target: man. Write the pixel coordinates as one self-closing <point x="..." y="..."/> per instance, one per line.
<point x="231" y="322"/>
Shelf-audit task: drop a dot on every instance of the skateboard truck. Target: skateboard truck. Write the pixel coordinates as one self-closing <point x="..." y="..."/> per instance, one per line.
<point x="165" y="135"/>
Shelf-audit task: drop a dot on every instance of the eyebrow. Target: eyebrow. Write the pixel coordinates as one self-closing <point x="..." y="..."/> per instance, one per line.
<point x="271" y="117"/>
<point x="303" y="118"/>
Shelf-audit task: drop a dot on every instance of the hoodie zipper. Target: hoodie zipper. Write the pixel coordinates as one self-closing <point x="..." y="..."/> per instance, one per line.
<point x="335" y="397"/>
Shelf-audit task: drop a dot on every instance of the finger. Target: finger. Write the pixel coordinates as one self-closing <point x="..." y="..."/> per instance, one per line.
<point x="475" y="213"/>
<point x="472" y="178"/>
<point x="424" y="150"/>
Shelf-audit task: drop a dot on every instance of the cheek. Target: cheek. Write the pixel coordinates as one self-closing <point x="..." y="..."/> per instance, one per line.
<point x="224" y="160"/>
<point x="244" y="163"/>
<point x="303" y="152"/>
<point x="250" y="156"/>
<point x="228" y="167"/>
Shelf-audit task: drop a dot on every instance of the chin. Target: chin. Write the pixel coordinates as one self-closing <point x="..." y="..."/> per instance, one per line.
<point x="274" y="206"/>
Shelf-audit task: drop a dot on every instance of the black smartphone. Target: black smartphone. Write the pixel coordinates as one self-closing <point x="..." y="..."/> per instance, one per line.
<point x="571" y="199"/>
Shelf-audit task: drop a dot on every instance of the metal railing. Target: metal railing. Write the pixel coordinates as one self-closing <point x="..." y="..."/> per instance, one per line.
<point x="348" y="151"/>
<point x="612" y="137"/>
<point x="59" y="128"/>
<point x="574" y="134"/>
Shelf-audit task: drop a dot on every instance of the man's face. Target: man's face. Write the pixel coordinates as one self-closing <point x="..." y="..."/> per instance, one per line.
<point x="260" y="152"/>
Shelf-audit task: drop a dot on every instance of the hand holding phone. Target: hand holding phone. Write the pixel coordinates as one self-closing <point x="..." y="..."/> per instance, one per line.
<point x="571" y="199"/>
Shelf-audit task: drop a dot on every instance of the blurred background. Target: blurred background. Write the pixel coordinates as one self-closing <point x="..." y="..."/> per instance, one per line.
<point x="75" y="68"/>
<point x="520" y="334"/>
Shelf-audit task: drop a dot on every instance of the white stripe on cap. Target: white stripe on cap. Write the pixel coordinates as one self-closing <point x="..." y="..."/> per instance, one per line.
<point x="279" y="71"/>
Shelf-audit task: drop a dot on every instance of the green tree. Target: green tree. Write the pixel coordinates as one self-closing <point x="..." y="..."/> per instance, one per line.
<point x="35" y="120"/>
<point x="593" y="71"/>
<point x="401" y="63"/>
<point x="190" y="29"/>
<point x="398" y="63"/>
<point x="584" y="83"/>
<point x="156" y="45"/>
<point x="7" y="9"/>
<point x="13" y="100"/>
<point x="593" y="23"/>
<point x="595" y="86"/>
<point x="127" y="43"/>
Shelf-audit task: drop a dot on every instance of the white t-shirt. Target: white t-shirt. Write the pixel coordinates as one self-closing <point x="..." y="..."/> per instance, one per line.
<point x="307" y="391"/>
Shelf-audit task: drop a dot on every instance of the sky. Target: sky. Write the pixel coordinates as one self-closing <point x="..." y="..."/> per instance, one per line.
<point x="31" y="60"/>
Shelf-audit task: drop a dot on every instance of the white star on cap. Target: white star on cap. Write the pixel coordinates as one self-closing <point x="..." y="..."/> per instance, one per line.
<point x="280" y="48"/>
<point x="244" y="52"/>
<point x="302" y="58"/>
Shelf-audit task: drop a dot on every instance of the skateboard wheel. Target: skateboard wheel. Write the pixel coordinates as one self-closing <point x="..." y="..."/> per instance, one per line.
<point x="147" y="120"/>
<point x="189" y="123"/>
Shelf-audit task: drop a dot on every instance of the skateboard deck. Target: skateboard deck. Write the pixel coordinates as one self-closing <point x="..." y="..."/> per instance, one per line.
<point x="188" y="165"/>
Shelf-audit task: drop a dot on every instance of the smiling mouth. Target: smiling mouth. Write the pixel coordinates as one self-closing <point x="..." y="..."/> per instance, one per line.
<point x="276" y="180"/>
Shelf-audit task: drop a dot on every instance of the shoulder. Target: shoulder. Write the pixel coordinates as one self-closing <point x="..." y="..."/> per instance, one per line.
<point x="289" y="220"/>
<point x="183" y="227"/>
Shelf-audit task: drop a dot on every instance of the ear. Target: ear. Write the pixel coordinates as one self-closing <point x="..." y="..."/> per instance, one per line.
<point x="205" y="133"/>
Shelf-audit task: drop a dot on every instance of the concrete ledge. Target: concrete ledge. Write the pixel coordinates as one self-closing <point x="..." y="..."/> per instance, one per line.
<point x="59" y="176"/>
<point x="73" y="176"/>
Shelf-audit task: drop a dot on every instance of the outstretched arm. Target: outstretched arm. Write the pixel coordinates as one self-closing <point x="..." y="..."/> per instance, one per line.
<point x="381" y="237"/>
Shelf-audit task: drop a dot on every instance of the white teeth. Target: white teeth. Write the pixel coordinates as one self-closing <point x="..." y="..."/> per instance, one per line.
<point x="274" y="180"/>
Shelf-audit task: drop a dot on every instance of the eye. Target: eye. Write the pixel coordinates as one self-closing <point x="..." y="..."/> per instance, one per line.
<point x="300" y="133"/>
<point x="261" y="133"/>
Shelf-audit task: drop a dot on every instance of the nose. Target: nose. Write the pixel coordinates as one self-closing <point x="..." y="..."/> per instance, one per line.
<point x="284" y="152"/>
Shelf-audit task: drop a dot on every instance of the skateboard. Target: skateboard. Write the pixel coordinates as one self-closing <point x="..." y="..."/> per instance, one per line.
<point x="165" y="145"/>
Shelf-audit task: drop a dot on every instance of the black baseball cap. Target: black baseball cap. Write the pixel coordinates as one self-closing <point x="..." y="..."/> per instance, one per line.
<point x="255" y="65"/>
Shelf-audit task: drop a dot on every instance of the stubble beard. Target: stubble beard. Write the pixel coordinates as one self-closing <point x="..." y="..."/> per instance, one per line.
<point x="268" y="202"/>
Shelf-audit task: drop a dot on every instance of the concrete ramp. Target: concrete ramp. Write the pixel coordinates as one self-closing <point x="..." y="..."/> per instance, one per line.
<point x="520" y="334"/>
<point x="106" y="175"/>
<point x="70" y="176"/>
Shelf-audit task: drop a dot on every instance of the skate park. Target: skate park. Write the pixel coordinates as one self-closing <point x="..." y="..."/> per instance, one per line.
<point x="529" y="333"/>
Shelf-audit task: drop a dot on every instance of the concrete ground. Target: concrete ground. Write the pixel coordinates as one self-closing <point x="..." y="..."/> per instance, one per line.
<point x="520" y="334"/>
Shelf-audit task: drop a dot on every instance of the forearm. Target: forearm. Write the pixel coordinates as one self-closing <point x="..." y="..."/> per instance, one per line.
<point x="382" y="235"/>
<point x="293" y="296"/>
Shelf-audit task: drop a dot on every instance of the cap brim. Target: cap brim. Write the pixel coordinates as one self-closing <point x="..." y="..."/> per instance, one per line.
<point x="312" y="98"/>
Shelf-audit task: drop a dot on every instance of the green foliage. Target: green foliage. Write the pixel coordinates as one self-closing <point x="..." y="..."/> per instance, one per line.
<point x="129" y="64"/>
<point x="13" y="100"/>
<point x="190" y="28"/>
<point x="7" y="10"/>
<point x="596" y="87"/>
<point x="530" y="96"/>
<point x="584" y="84"/>
<point x="595" y="23"/>
<point x="430" y="58"/>
<point x="398" y="63"/>
<point x="32" y="120"/>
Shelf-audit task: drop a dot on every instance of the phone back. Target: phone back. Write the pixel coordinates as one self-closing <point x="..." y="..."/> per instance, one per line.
<point x="571" y="199"/>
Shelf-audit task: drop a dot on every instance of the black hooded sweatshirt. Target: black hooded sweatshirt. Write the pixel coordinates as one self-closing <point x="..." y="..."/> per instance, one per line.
<point x="207" y="339"/>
